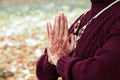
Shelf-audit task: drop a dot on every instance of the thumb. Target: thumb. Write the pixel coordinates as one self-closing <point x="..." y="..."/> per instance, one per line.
<point x="72" y="41"/>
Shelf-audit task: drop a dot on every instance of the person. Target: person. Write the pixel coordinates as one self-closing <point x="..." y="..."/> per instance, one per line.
<point x="89" y="50"/>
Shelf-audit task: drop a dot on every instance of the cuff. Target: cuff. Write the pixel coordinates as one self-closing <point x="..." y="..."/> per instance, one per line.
<point x="45" y="68"/>
<point x="64" y="66"/>
<point x="44" y="64"/>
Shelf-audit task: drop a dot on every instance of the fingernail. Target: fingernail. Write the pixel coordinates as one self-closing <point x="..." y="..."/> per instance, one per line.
<point x="66" y="18"/>
<point x="57" y="18"/>
<point x="61" y="15"/>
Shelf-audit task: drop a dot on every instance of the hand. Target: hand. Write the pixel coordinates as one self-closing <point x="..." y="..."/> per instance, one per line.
<point x="59" y="43"/>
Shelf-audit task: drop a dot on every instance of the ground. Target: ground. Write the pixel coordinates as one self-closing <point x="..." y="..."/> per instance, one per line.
<point x="23" y="34"/>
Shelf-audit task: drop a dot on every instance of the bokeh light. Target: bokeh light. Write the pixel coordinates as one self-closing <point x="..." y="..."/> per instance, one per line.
<point x="23" y="32"/>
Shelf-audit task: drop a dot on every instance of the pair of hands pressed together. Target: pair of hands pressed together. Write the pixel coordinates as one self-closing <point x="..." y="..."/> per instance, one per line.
<point x="59" y="42"/>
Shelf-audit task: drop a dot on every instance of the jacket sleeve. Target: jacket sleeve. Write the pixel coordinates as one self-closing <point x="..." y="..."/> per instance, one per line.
<point x="44" y="70"/>
<point x="104" y="65"/>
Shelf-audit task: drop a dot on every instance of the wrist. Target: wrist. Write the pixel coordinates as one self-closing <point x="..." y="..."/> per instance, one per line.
<point x="50" y="61"/>
<point x="55" y="59"/>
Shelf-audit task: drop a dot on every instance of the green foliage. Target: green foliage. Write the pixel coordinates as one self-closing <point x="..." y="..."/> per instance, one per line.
<point x="1" y="70"/>
<point x="1" y="79"/>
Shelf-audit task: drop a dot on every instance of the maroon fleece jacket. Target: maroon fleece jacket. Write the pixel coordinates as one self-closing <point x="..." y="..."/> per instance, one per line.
<point x="97" y="55"/>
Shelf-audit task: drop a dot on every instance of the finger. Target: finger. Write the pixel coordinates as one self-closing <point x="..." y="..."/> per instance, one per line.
<point x="47" y="30"/>
<point x="61" y="24"/>
<point x="51" y="33"/>
<point x="56" y="26"/>
<point x="66" y="28"/>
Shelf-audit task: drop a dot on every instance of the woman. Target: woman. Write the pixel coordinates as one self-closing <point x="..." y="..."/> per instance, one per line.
<point x="90" y="50"/>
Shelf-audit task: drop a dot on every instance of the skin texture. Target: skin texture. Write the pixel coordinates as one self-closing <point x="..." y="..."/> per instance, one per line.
<point x="59" y="42"/>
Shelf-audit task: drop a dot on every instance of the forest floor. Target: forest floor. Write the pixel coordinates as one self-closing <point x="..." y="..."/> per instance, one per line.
<point x="23" y="34"/>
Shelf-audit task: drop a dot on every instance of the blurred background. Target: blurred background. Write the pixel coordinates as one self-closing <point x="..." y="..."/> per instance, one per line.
<point x="23" y="32"/>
